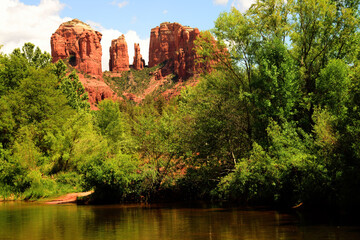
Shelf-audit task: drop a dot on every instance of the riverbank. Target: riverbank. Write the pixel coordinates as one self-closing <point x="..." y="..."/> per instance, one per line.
<point x="76" y="197"/>
<point x="69" y="198"/>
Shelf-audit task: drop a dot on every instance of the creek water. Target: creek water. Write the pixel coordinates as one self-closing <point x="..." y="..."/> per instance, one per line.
<point x="30" y="221"/>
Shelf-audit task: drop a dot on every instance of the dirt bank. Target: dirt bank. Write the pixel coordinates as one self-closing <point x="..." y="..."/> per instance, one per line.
<point x="69" y="198"/>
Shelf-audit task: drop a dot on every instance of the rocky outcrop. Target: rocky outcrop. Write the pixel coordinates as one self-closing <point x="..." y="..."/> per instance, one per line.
<point x="139" y="62"/>
<point x="80" y="44"/>
<point x="173" y="43"/>
<point x="97" y="90"/>
<point x="119" y="56"/>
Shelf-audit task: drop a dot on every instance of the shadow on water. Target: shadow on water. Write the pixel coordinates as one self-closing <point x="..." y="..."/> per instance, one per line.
<point x="158" y="221"/>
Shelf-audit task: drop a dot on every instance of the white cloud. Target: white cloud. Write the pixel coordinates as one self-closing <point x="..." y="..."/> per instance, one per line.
<point x="120" y="4"/>
<point x="165" y="11"/>
<point x="220" y="2"/>
<point x="131" y="37"/>
<point x="242" y="5"/>
<point x="21" y="23"/>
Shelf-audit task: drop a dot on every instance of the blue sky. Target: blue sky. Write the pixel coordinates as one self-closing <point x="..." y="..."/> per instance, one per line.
<point x="142" y="15"/>
<point x="35" y="20"/>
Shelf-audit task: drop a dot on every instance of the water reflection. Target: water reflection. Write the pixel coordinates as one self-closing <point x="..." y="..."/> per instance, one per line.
<point x="34" y="221"/>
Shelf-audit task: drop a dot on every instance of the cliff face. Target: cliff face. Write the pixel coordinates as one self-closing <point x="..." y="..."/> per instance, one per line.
<point x="139" y="62"/>
<point x="80" y="44"/>
<point x="119" y="56"/>
<point x="97" y="91"/>
<point x="173" y="43"/>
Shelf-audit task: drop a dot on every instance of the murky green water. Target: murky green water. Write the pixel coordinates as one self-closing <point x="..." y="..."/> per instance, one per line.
<point x="54" y="222"/>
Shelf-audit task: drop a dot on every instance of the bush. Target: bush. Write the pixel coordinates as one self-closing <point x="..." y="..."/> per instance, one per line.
<point x="12" y="176"/>
<point x="286" y="173"/>
<point x="113" y="179"/>
<point x="40" y="186"/>
<point x="255" y="179"/>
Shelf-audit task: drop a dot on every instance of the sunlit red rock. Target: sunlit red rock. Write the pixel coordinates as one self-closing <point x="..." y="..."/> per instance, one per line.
<point x="173" y="43"/>
<point x="80" y="45"/>
<point x="119" y="56"/>
<point x="139" y="62"/>
<point x="97" y="90"/>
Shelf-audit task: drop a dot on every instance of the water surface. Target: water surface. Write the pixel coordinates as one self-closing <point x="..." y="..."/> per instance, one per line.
<point x="30" y="221"/>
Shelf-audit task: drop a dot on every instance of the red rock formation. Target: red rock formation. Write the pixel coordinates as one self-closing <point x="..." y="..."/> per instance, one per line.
<point x="119" y="56"/>
<point x="139" y="62"/>
<point x="97" y="90"/>
<point x="173" y="43"/>
<point x="80" y="44"/>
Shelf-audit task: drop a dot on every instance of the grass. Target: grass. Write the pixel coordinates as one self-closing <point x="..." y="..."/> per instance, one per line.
<point x="133" y="81"/>
<point x="136" y="82"/>
<point x="42" y="187"/>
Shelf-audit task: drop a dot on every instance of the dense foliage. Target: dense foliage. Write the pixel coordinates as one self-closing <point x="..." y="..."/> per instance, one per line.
<point x="276" y="121"/>
<point x="293" y="70"/>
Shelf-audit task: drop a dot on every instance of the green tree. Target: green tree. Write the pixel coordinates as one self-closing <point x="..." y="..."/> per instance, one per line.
<point x="34" y="56"/>
<point x="275" y="89"/>
<point x="217" y="120"/>
<point x="15" y="66"/>
<point x="113" y="179"/>
<point x="157" y="131"/>
<point x="73" y="143"/>
<point x="13" y="69"/>
<point x="71" y="86"/>
<point x="322" y="30"/>
<point x="353" y="125"/>
<point x="293" y="64"/>
<point x="332" y="87"/>
<point x="37" y="102"/>
<point x="113" y="125"/>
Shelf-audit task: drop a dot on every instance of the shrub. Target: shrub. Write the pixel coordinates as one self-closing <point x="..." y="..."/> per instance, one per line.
<point x="113" y="179"/>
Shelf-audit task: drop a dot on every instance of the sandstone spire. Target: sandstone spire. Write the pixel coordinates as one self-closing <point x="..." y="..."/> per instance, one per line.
<point x="79" y="44"/>
<point x="119" y="56"/>
<point x="139" y="62"/>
